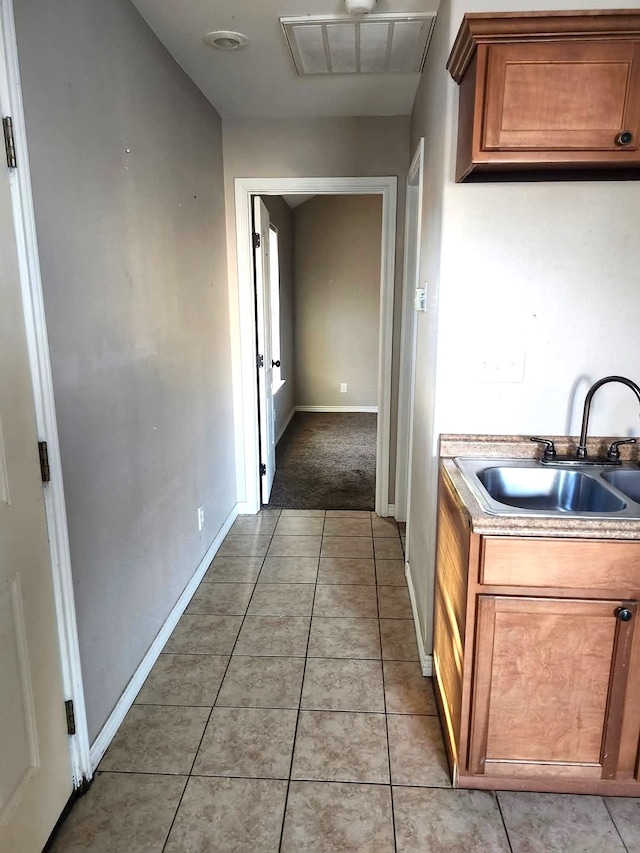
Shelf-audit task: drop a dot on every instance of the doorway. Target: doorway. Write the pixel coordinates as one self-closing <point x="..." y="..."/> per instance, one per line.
<point x="249" y="478"/>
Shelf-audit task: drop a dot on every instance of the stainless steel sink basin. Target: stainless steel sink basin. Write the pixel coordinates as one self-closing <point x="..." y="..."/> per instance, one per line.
<point x="626" y="480"/>
<point x="549" y="489"/>
<point x="527" y="487"/>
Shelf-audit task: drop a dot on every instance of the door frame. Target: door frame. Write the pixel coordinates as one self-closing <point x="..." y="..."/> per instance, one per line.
<point x="408" y="336"/>
<point x="42" y="384"/>
<point x="245" y="353"/>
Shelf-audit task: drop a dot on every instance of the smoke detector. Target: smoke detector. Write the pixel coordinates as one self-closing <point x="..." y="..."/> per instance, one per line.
<point x="359" y="7"/>
<point x="371" y="44"/>
<point x="225" y="40"/>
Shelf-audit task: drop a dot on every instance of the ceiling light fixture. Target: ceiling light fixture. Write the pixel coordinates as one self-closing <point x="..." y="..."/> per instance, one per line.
<point x="225" y="40"/>
<point x="360" y="7"/>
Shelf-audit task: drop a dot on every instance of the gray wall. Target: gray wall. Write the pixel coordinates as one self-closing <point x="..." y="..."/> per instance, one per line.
<point x="281" y="216"/>
<point x="337" y="299"/>
<point x="126" y="161"/>
<point x="324" y="147"/>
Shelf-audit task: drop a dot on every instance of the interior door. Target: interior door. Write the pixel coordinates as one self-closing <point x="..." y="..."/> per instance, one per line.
<point x="35" y="769"/>
<point x="265" y="367"/>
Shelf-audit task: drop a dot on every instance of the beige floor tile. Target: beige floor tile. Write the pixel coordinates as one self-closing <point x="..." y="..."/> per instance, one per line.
<point x="156" y="739"/>
<point x="289" y="570"/>
<point x="204" y="635"/>
<point x="283" y="636"/>
<point x="347" y="546"/>
<point x="558" y="823"/>
<point x="348" y="513"/>
<point x="390" y="573"/>
<point x="299" y="526"/>
<point x="341" y="747"/>
<point x="229" y="815"/>
<point x="347" y="570"/>
<point x="345" y="600"/>
<point x="394" y="602"/>
<point x="295" y="546"/>
<point x="347" y="527"/>
<point x="344" y="638"/>
<point x="398" y="639"/>
<point x="244" y="545"/>
<point x="625" y="812"/>
<point x="439" y="821"/>
<point x="388" y="549"/>
<point x="271" y="512"/>
<point x="282" y="599"/>
<point x="252" y="524"/>
<point x="220" y="599"/>
<point x="303" y="513"/>
<point x="262" y="682"/>
<point x="183" y="680"/>
<point x="121" y="811"/>
<point x="256" y="742"/>
<point x="383" y="527"/>
<point x="333" y="817"/>
<point x="417" y="752"/>
<point x="343" y="685"/>
<point x="406" y="689"/>
<point x="233" y="570"/>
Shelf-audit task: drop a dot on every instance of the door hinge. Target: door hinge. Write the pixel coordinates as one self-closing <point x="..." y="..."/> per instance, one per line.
<point x="260" y="361"/>
<point x="71" y="717"/>
<point x="263" y="469"/>
<point x="256" y="240"/>
<point x="9" y="142"/>
<point x="45" y="471"/>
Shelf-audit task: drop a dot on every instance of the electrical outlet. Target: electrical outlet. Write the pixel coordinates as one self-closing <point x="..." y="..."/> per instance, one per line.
<point x="343" y="388"/>
<point x="201" y="517"/>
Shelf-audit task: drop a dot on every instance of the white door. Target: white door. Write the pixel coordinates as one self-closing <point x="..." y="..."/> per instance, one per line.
<point x="35" y="768"/>
<point x="265" y="365"/>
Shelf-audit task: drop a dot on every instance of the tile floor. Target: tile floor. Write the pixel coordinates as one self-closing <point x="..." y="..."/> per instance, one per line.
<point x="288" y="713"/>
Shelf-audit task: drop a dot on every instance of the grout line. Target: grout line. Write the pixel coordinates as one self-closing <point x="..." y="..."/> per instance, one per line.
<point x="504" y="823"/>
<point x="304" y="672"/>
<point x="386" y="726"/>
<point x="613" y="821"/>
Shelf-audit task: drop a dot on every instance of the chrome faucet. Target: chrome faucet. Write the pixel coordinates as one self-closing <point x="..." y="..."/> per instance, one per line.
<point x="581" y="452"/>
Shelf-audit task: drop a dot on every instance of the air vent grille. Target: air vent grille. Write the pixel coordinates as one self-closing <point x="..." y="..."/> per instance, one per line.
<point x="376" y="44"/>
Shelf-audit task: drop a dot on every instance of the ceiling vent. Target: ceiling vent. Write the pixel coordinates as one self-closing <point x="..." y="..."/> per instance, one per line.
<point x="375" y="44"/>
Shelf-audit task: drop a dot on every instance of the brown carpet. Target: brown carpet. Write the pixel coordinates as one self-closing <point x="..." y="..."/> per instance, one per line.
<point x="326" y="461"/>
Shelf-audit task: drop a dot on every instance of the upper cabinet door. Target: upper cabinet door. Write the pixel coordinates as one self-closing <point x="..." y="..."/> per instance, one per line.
<point x="572" y="96"/>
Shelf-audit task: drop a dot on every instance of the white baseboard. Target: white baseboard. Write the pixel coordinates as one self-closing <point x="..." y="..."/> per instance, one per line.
<point x="426" y="661"/>
<point x="285" y="424"/>
<point x="337" y="409"/>
<point x="108" y="731"/>
<point x="391" y="509"/>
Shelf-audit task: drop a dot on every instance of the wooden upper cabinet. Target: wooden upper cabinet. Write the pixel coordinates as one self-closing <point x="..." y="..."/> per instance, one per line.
<point x="548" y="91"/>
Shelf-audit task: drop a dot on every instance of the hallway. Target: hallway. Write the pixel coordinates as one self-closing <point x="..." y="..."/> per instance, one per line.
<point x="288" y="713"/>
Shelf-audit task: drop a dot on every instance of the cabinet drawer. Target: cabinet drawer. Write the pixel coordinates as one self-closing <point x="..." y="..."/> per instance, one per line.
<point x="560" y="563"/>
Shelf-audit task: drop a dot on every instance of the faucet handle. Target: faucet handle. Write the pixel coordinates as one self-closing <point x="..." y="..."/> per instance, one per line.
<point x="613" y="452"/>
<point x="550" y="448"/>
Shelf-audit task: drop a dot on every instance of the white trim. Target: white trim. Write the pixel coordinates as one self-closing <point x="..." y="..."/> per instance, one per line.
<point x="124" y="703"/>
<point x="245" y="391"/>
<point x="426" y="661"/>
<point x="392" y="510"/>
<point x="285" y="424"/>
<point x="373" y="409"/>
<point x="408" y="337"/>
<point x="42" y="381"/>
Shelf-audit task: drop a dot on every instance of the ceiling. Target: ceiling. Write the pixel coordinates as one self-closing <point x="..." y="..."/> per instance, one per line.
<point x="260" y="79"/>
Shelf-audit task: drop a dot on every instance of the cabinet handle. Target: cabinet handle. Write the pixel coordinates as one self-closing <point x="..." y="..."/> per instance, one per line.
<point x="623" y="614"/>
<point x="624" y="138"/>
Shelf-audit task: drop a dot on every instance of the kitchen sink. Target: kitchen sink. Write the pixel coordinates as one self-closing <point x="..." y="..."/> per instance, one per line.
<point x="626" y="481"/>
<point x="528" y="487"/>
<point x="549" y="489"/>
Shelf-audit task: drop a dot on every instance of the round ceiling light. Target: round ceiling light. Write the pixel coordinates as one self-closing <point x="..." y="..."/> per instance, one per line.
<point x="225" y="40"/>
<point x="359" y="7"/>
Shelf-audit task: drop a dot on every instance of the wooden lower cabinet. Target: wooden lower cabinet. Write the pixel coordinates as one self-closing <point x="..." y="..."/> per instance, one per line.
<point x="538" y="688"/>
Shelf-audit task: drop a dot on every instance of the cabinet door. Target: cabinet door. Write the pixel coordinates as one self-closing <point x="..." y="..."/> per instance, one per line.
<point x="570" y="96"/>
<point x="549" y="686"/>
